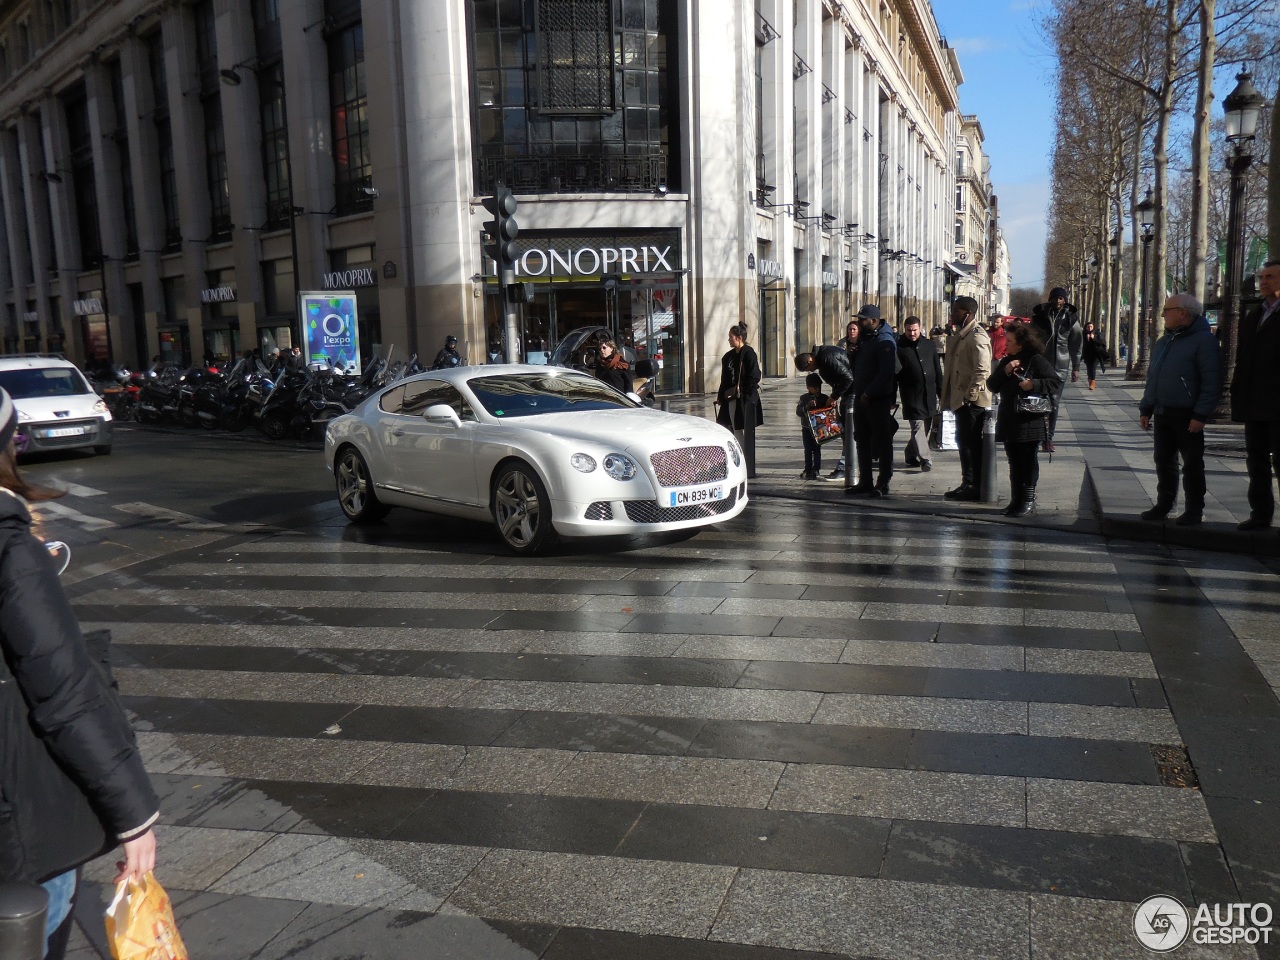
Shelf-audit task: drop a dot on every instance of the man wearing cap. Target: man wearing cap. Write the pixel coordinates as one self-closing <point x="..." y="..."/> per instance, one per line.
<point x="875" y="384"/>
<point x="448" y="357"/>
<point x="1058" y="324"/>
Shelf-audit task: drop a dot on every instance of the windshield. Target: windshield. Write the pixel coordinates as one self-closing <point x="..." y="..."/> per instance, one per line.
<point x="47" y="382"/>
<point x="526" y="394"/>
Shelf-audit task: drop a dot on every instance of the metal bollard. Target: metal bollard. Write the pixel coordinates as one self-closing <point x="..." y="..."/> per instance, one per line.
<point x="23" y="907"/>
<point x="850" y="464"/>
<point x="989" y="489"/>
<point x="665" y="405"/>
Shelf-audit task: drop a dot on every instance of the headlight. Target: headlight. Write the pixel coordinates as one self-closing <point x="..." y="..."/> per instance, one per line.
<point x="620" y="466"/>
<point x="583" y="463"/>
<point x="100" y="407"/>
<point x="23" y="416"/>
<point x="735" y="453"/>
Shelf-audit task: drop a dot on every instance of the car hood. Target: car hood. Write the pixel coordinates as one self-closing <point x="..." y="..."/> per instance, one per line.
<point x="48" y="408"/>
<point x="637" y="429"/>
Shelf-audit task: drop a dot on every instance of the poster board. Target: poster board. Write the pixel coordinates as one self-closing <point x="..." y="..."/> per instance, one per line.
<point x="330" y="331"/>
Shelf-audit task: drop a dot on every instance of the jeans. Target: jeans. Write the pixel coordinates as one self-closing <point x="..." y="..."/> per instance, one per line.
<point x="969" y="421"/>
<point x="1092" y="367"/>
<point x="1055" y="396"/>
<point x="1262" y="460"/>
<point x="918" y="442"/>
<point x="812" y="453"/>
<point x="873" y="432"/>
<point x="1174" y="440"/>
<point x="61" y="890"/>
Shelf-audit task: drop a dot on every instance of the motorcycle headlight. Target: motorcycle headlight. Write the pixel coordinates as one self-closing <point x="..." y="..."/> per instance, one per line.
<point x="583" y="463"/>
<point x="620" y="466"/>
<point x="735" y="453"/>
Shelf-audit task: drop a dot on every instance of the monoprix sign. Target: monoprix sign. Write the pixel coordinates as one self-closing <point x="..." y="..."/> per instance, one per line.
<point x="329" y="329"/>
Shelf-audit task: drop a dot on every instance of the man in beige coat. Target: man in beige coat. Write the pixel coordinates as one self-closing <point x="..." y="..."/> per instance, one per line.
<point x="964" y="391"/>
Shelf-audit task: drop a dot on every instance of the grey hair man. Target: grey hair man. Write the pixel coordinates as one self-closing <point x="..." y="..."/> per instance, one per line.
<point x="1184" y="383"/>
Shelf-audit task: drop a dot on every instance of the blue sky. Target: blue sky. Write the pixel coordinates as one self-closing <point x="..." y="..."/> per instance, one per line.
<point x="1008" y="83"/>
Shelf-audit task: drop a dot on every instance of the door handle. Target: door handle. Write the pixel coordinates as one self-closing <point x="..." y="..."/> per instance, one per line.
<point x="398" y="432"/>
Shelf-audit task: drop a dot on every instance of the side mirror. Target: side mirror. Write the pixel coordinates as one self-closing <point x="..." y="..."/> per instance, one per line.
<point x="442" y="413"/>
<point x="634" y="397"/>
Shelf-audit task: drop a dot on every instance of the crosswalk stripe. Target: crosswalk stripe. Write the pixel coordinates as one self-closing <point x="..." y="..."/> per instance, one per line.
<point x="150" y="511"/>
<point x="60" y="511"/>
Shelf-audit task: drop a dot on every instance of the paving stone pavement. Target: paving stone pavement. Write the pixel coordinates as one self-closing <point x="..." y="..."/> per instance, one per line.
<point x="828" y="728"/>
<point x="820" y="730"/>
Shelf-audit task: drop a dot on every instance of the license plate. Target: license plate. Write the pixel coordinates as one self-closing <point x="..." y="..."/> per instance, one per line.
<point x="694" y="495"/>
<point x="64" y="432"/>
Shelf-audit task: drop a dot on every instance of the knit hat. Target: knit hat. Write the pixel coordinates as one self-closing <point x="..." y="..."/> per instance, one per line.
<point x="1057" y="292"/>
<point x="8" y="419"/>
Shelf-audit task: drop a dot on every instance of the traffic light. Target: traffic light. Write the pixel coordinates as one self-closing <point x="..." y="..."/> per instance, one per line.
<point x="502" y="230"/>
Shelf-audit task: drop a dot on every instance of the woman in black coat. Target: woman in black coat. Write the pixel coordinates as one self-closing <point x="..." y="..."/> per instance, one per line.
<point x="612" y="368"/>
<point x="72" y="778"/>
<point x="1022" y="372"/>
<point x="739" y="394"/>
<point x="1094" y="353"/>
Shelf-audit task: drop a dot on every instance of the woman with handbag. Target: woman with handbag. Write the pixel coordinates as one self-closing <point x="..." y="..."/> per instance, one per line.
<point x="1024" y="380"/>
<point x="72" y="785"/>
<point x="739" y="396"/>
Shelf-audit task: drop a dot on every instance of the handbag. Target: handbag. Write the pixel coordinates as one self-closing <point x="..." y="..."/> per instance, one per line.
<point x="1033" y="404"/>
<point x="825" y="425"/>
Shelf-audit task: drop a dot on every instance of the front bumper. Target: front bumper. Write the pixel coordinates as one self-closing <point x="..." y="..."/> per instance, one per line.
<point x="51" y="435"/>
<point x="605" y="518"/>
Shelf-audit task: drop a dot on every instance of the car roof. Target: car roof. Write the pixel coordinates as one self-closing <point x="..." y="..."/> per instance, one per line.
<point x="463" y="374"/>
<point x="34" y="362"/>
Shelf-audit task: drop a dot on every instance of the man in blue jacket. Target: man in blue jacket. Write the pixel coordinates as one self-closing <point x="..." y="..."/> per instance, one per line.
<point x="1184" y="384"/>
<point x="875" y="384"/>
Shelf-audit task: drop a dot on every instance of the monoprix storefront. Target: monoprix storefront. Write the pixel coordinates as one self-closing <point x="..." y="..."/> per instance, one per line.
<point x="628" y="283"/>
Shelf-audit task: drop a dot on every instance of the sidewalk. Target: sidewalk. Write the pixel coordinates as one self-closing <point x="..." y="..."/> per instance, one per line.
<point x="1099" y="480"/>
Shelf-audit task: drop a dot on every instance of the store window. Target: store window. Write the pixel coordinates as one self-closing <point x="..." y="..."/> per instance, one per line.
<point x="278" y="288"/>
<point x="575" y="56"/>
<point x="164" y="142"/>
<point x="275" y="145"/>
<point x="215" y="146"/>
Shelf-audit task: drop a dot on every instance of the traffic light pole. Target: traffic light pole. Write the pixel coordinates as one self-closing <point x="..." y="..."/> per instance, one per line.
<point x="506" y="287"/>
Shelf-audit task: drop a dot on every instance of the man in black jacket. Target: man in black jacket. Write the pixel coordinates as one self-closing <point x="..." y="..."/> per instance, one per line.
<point x="920" y="386"/>
<point x="832" y="364"/>
<point x="875" y="384"/>
<point x="1255" y="401"/>
<point x="1058" y="324"/>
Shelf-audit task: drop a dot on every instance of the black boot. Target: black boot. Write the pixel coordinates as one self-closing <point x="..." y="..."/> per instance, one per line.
<point x="1016" y="497"/>
<point x="1027" y="505"/>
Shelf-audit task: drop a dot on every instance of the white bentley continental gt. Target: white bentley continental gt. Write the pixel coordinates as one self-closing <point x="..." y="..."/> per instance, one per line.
<point x="540" y="451"/>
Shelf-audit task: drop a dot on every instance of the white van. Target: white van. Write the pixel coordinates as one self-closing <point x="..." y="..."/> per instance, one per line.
<point x="57" y="409"/>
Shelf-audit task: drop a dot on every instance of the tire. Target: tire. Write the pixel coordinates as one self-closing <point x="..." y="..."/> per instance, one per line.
<point x="103" y="451"/>
<point x="236" y="422"/>
<point x="275" y="426"/>
<point x="355" y="488"/>
<point x="521" y="509"/>
<point x="209" y="423"/>
<point x="187" y="415"/>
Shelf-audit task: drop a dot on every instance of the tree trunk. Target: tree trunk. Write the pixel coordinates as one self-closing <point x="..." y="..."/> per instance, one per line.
<point x="1200" y="154"/>
<point x="1273" y="181"/>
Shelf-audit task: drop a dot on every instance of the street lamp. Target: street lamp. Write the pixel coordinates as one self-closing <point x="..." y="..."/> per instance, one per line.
<point x="1146" y="211"/>
<point x="1242" y="107"/>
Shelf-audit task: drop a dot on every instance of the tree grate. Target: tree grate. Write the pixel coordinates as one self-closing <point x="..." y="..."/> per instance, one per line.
<point x="1174" y="764"/>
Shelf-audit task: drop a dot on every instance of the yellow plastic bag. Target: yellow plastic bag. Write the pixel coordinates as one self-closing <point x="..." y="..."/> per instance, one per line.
<point x="140" y="924"/>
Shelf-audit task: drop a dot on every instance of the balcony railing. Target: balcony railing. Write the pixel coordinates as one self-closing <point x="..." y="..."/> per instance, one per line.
<point x="578" y="174"/>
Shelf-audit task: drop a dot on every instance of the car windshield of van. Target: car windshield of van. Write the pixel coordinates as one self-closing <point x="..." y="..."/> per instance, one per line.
<point x="43" y="382"/>
<point x="526" y="395"/>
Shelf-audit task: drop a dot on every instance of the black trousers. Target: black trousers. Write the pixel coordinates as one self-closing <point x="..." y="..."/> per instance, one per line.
<point x="1055" y="397"/>
<point x="812" y="452"/>
<point x="873" y="429"/>
<point x="1024" y="465"/>
<point x="969" y="421"/>
<point x="1262" y="460"/>
<point x="1092" y="367"/>
<point x="1173" y="441"/>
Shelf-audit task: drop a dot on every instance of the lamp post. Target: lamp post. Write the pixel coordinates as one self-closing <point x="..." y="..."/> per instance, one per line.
<point x="1242" y="107"/>
<point x="1146" y="211"/>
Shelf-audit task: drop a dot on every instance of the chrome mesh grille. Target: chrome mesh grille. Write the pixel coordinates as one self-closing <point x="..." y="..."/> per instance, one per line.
<point x="600" y="510"/>
<point x="689" y="465"/>
<point x="648" y="511"/>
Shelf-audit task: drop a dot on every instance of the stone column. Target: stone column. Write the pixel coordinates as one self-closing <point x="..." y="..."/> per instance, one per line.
<point x="106" y="175"/>
<point x="31" y="154"/>
<point x="16" y="225"/>
<point x="144" y="159"/>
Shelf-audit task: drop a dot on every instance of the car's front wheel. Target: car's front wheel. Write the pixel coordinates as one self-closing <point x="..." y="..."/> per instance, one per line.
<point x="355" y="488"/>
<point x="521" y="509"/>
